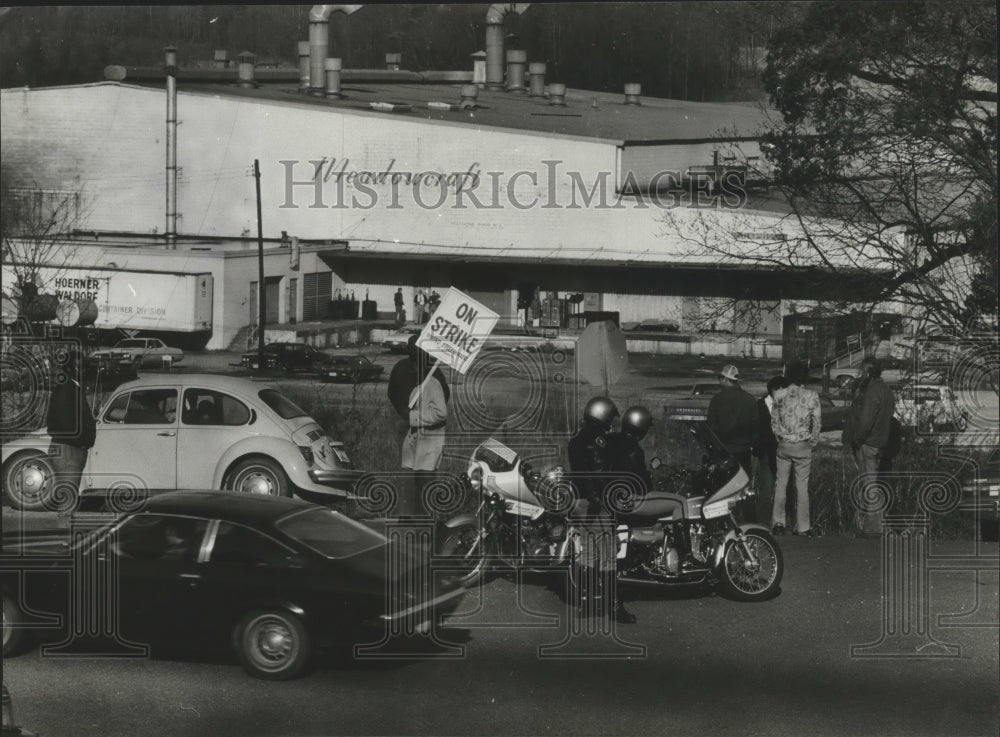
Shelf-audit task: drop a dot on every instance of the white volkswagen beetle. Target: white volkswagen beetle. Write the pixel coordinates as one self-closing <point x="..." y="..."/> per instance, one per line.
<point x="192" y="431"/>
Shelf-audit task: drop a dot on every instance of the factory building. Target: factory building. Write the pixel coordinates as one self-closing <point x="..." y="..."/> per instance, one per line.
<point x="378" y="179"/>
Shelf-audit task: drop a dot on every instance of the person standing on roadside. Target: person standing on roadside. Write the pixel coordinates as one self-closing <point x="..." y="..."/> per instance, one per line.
<point x="869" y="433"/>
<point x="427" y="415"/>
<point x="796" y="420"/>
<point x="765" y="447"/>
<point x="72" y="429"/>
<point x="419" y="307"/>
<point x="732" y="415"/>
<point x="590" y="464"/>
<point x="397" y="301"/>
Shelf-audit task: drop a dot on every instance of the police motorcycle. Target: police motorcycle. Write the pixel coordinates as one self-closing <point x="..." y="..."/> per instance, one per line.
<point x="683" y="532"/>
<point x="521" y="520"/>
<point x="679" y="533"/>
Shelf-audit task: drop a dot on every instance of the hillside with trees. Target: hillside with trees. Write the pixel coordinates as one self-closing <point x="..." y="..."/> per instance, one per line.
<point x="684" y="50"/>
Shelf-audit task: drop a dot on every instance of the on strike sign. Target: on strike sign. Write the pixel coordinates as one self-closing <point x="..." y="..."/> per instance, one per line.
<point x="457" y="330"/>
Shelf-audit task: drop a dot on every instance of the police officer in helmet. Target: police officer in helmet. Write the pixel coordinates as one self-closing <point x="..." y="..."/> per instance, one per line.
<point x="590" y="463"/>
<point x="626" y="457"/>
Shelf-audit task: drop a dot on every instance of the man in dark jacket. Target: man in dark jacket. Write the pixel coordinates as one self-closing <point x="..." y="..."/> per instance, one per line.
<point x="868" y="430"/>
<point x="71" y="427"/>
<point x="590" y="464"/>
<point x="732" y="415"/>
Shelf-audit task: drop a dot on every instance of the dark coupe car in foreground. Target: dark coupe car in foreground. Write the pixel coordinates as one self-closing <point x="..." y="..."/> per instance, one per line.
<point x="277" y="578"/>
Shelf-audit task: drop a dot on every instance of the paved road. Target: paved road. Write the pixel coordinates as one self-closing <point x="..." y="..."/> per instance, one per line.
<point x="712" y="666"/>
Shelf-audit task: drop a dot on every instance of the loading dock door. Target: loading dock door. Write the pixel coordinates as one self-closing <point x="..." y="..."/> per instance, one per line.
<point x="272" y="291"/>
<point x="316" y="289"/>
<point x="499" y="302"/>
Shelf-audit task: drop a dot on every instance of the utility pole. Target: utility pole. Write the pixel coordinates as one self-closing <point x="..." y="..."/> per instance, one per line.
<point x="261" y="293"/>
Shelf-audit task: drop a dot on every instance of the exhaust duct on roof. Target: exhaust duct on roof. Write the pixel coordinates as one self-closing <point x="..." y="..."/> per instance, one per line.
<point x="494" y="41"/>
<point x="536" y="79"/>
<point x="319" y="42"/>
<point x="303" y="66"/>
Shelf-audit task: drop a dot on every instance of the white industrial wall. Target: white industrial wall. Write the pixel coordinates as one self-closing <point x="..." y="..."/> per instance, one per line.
<point x="107" y="140"/>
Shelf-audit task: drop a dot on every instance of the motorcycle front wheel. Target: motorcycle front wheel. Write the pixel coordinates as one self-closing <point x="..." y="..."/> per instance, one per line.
<point x="752" y="570"/>
<point x="463" y="555"/>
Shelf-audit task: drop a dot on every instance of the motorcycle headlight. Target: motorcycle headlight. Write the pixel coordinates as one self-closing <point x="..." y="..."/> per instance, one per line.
<point x="476" y="479"/>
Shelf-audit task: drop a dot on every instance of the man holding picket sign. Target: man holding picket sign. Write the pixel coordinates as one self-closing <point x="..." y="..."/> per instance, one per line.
<point x="454" y="335"/>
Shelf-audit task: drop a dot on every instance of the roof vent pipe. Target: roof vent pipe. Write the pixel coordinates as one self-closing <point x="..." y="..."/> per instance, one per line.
<point x="479" y="68"/>
<point x="633" y="93"/>
<point x="319" y="42"/>
<point x="494" y="41"/>
<point x="170" y="67"/>
<point x="303" y="66"/>
<point x="517" y="60"/>
<point x="470" y="96"/>
<point x="536" y="79"/>
<point x="557" y="95"/>
<point x="331" y="69"/>
<point x="393" y="61"/>
<point x="246" y="61"/>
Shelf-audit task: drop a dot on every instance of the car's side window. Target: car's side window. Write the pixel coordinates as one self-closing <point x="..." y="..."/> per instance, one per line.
<point x="116" y="410"/>
<point x="236" y="544"/>
<point x="208" y="407"/>
<point x="155" y="537"/>
<point x="151" y="407"/>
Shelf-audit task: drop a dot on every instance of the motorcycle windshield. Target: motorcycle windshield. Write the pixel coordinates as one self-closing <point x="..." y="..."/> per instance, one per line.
<point x="693" y="461"/>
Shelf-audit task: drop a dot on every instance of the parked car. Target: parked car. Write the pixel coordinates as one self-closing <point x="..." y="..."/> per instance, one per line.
<point x="706" y="390"/>
<point x="353" y="369"/>
<point x="930" y="408"/>
<point x="832" y="417"/>
<point x="981" y="494"/>
<point x="108" y="367"/>
<point x="288" y="357"/>
<point x="276" y="579"/>
<point x="139" y="352"/>
<point x="398" y="340"/>
<point x="192" y="431"/>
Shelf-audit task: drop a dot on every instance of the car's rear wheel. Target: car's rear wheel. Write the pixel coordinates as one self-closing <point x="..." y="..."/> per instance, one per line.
<point x="259" y="475"/>
<point x="13" y="635"/>
<point x="28" y="481"/>
<point x="273" y="645"/>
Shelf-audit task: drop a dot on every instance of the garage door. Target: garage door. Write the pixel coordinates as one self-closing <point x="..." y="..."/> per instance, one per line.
<point x="316" y="295"/>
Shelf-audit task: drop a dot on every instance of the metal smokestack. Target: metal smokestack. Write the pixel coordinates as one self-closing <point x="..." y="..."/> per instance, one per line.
<point x="517" y="60"/>
<point x="536" y="77"/>
<point x="303" y="49"/>
<point x="331" y="68"/>
<point x="170" y="67"/>
<point x="494" y="41"/>
<point x="319" y="42"/>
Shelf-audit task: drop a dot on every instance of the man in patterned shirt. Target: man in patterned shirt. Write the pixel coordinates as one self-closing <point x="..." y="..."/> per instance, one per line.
<point x="796" y="421"/>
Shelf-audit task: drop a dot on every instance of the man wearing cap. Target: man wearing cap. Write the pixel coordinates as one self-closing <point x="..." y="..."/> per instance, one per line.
<point x="732" y="415"/>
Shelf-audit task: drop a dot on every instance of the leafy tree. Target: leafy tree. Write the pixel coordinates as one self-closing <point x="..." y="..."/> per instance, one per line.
<point x="887" y="148"/>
